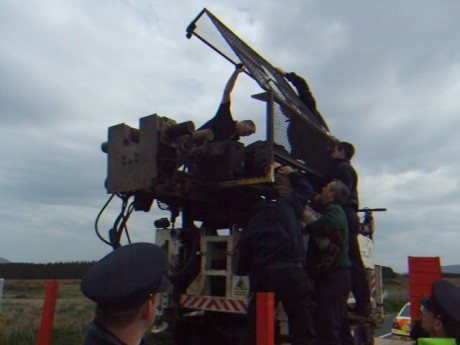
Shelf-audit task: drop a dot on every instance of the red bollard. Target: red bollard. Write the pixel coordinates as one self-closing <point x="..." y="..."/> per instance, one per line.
<point x="49" y="307"/>
<point x="265" y="304"/>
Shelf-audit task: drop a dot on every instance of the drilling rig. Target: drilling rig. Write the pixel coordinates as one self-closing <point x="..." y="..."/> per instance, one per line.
<point x="210" y="187"/>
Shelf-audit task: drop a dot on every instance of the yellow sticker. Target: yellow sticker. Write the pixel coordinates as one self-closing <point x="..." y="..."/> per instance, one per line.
<point x="240" y="288"/>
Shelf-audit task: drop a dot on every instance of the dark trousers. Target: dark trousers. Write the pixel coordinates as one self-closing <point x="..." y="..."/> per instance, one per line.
<point x="290" y="286"/>
<point x="332" y="290"/>
<point x="359" y="283"/>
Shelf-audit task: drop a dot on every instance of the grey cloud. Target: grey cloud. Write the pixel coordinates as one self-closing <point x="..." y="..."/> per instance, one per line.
<point x="385" y="75"/>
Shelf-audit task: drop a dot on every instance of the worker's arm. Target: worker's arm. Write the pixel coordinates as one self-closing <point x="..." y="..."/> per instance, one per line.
<point x="305" y="94"/>
<point x="325" y="225"/>
<point x="231" y="84"/>
<point x="302" y="190"/>
<point x="303" y="90"/>
<point x="346" y="174"/>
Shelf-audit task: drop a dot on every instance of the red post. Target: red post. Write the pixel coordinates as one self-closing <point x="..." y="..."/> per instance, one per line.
<point x="265" y="304"/>
<point x="49" y="307"/>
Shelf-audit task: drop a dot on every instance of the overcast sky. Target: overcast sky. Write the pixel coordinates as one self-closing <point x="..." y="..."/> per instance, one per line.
<point x="386" y="75"/>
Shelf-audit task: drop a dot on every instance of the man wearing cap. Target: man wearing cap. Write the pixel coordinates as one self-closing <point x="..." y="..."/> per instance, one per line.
<point x="440" y="314"/>
<point x="125" y="285"/>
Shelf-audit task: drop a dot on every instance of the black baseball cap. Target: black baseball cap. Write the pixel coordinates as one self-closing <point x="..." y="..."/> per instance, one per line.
<point x="127" y="277"/>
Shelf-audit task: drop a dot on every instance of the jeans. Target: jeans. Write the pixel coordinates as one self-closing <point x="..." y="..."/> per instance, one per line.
<point x="332" y="290"/>
<point x="291" y="288"/>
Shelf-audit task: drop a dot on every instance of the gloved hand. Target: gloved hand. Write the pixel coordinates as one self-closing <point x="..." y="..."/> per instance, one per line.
<point x="308" y="215"/>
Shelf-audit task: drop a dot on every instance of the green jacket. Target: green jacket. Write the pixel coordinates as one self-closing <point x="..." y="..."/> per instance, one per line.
<point x="333" y="224"/>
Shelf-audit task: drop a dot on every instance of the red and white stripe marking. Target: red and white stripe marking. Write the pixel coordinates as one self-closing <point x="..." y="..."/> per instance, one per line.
<point x="373" y="283"/>
<point x="222" y="304"/>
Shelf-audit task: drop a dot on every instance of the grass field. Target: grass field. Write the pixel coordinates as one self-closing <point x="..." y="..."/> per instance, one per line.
<point x="22" y="306"/>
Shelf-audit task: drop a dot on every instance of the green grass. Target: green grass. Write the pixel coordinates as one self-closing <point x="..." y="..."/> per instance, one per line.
<point x="63" y="336"/>
<point x="20" y="337"/>
<point x="393" y="306"/>
<point x="21" y="313"/>
<point x="22" y="306"/>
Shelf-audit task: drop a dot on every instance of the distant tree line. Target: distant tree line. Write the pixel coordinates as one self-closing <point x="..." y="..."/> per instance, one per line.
<point x="388" y="273"/>
<point x="450" y="275"/>
<point x="75" y="270"/>
<point x="60" y="270"/>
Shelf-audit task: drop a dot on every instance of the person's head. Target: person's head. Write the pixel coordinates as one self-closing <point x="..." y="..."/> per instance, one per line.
<point x="343" y="150"/>
<point x="440" y="313"/>
<point x="335" y="191"/>
<point x="125" y="285"/>
<point x="245" y="128"/>
<point x="121" y="319"/>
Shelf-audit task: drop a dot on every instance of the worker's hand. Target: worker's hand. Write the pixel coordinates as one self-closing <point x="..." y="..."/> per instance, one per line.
<point x="308" y="216"/>
<point x="239" y="67"/>
<point x="285" y="170"/>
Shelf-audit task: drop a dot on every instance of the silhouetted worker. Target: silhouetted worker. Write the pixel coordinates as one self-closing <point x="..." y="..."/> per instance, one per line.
<point x="341" y="155"/>
<point x="305" y="95"/>
<point x="222" y="124"/>
<point x="299" y="130"/>
<point x="440" y="315"/>
<point x="125" y="285"/>
<point x="272" y="254"/>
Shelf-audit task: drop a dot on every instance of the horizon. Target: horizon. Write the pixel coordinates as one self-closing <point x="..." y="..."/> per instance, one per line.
<point x="443" y="267"/>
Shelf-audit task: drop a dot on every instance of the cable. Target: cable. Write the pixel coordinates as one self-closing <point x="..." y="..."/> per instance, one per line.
<point x="183" y="267"/>
<point x="97" y="221"/>
<point x="125" y="218"/>
<point x="120" y="223"/>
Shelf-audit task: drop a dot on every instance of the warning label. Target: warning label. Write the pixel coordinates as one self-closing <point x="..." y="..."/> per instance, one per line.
<point x="241" y="287"/>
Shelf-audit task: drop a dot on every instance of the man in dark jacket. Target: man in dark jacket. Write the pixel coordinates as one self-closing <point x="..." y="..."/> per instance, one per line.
<point x="271" y="248"/>
<point x="332" y="281"/>
<point x="298" y="129"/>
<point x="341" y="155"/>
<point x="305" y="95"/>
<point x="222" y="124"/>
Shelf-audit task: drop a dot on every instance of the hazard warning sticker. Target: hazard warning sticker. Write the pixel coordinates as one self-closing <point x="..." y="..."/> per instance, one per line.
<point x="241" y="286"/>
